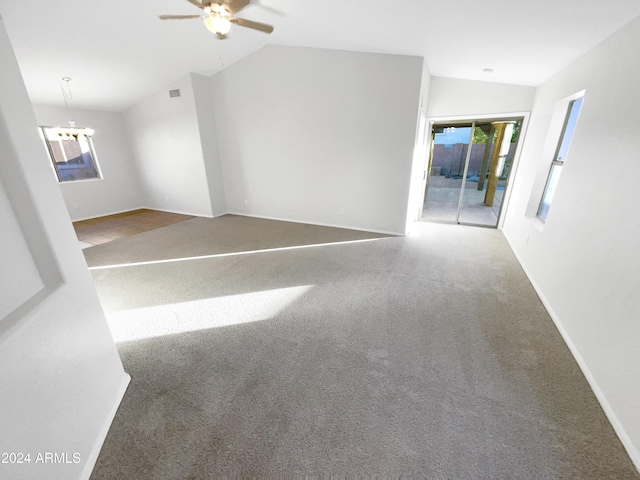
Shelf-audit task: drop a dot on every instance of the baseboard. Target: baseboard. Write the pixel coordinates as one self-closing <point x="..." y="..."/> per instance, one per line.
<point x="280" y="219"/>
<point x="102" y="436"/>
<point x="628" y="444"/>
<point x="81" y="219"/>
<point x="345" y="227"/>
<point x="180" y="212"/>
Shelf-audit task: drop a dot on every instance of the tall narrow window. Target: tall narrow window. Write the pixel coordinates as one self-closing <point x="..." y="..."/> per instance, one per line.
<point x="71" y="152"/>
<point x="560" y="157"/>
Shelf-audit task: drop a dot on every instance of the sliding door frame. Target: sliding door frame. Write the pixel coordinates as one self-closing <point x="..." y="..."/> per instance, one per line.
<point x="473" y="119"/>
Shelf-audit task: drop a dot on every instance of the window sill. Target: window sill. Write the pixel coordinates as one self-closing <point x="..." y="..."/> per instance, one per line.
<point x="80" y="180"/>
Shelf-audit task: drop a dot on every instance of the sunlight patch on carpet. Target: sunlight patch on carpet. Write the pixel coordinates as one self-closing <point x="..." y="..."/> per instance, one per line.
<point x="204" y="314"/>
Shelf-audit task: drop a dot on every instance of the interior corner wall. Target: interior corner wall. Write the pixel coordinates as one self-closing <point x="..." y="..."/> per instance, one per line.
<point x="165" y="137"/>
<point x="420" y="154"/>
<point x="319" y="136"/>
<point x="205" y="112"/>
<point x="425" y="88"/>
<point x="584" y="259"/>
<point x="119" y="190"/>
<point x="452" y="97"/>
<point x="60" y="374"/>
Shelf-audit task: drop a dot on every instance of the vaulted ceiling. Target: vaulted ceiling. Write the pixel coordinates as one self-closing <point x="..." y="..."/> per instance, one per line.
<point x="118" y="52"/>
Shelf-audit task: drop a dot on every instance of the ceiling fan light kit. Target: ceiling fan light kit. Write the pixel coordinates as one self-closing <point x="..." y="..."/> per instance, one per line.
<point x="217" y="24"/>
<point x="219" y="15"/>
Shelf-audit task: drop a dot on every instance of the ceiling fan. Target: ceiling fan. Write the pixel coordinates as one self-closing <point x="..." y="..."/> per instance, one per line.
<point x="218" y="15"/>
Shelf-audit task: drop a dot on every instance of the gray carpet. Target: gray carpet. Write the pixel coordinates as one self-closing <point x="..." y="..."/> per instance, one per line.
<point x="428" y="356"/>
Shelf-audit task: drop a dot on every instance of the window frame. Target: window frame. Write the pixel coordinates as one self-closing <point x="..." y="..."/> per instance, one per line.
<point x="59" y="167"/>
<point x="557" y="163"/>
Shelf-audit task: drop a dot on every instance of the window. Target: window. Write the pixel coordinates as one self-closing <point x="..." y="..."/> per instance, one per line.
<point x="71" y="152"/>
<point x="560" y="156"/>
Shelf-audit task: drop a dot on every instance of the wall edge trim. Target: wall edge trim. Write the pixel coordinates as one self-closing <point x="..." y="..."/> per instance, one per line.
<point x="102" y="435"/>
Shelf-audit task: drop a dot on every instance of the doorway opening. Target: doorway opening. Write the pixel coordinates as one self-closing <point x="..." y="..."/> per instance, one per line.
<point x="469" y="166"/>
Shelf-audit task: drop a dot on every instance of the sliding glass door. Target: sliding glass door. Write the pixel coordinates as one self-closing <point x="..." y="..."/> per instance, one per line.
<point x="468" y="171"/>
<point x="449" y="151"/>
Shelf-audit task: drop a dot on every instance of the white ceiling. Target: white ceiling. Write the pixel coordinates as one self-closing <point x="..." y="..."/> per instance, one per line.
<point x="118" y="52"/>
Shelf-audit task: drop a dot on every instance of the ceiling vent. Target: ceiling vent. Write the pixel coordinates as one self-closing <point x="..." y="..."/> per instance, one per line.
<point x="174" y="93"/>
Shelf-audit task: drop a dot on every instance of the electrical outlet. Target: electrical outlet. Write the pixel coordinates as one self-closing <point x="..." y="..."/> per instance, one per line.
<point x="246" y="202"/>
<point x="75" y="205"/>
<point x="166" y="198"/>
<point x="342" y="211"/>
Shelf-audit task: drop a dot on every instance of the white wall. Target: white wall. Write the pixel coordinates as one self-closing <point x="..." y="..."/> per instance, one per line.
<point x="451" y="97"/>
<point x="60" y="375"/>
<point x="584" y="260"/>
<point x="306" y="132"/>
<point x="166" y="140"/>
<point x="120" y="189"/>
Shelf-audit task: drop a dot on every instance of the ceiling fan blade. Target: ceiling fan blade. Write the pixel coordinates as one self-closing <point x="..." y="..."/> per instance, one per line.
<point x="196" y="3"/>
<point x="234" y="6"/>
<point x="177" y="17"/>
<point x="263" y="27"/>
